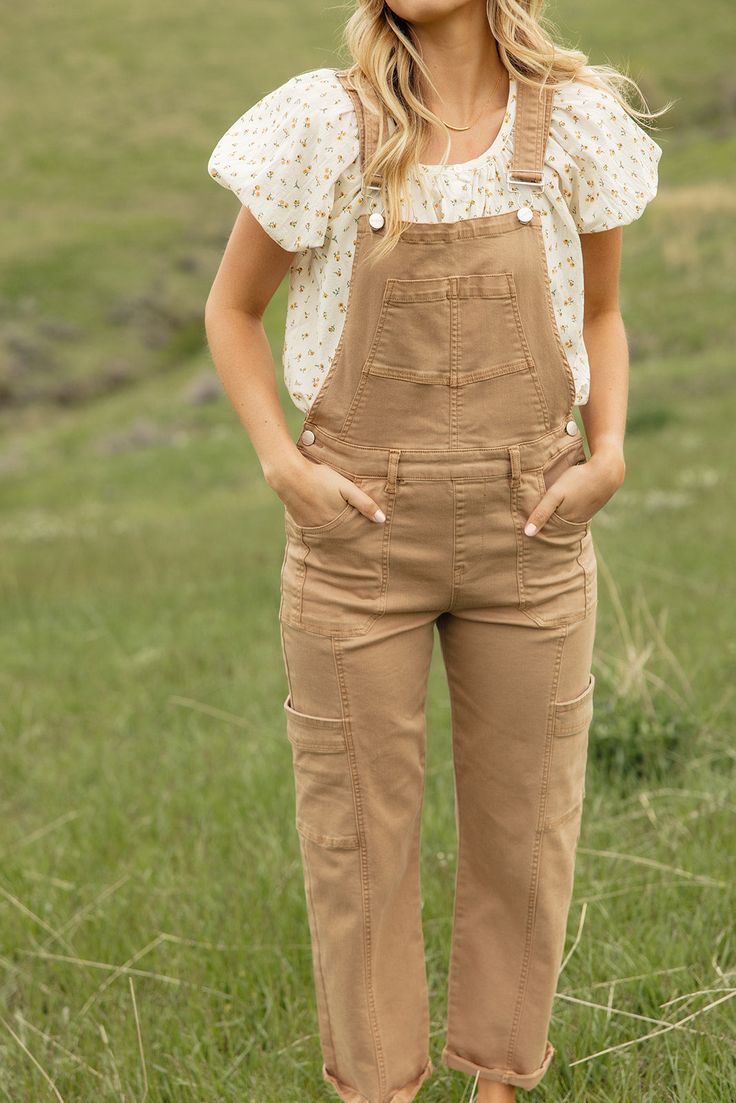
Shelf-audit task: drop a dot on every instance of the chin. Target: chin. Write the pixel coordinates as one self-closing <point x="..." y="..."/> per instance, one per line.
<point x="424" y="11"/>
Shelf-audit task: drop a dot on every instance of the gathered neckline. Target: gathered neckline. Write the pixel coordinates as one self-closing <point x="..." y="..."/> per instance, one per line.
<point x="497" y="144"/>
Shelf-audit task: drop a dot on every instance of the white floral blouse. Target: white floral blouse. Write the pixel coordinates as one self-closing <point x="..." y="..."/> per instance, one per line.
<point x="293" y="160"/>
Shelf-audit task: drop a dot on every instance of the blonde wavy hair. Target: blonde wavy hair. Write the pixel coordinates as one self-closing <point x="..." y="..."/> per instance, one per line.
<point x="386" y="64"/>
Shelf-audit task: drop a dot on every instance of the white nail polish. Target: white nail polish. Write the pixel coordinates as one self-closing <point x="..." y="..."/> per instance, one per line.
<point x="379" y="515"/>
<point x="530" y="529"/>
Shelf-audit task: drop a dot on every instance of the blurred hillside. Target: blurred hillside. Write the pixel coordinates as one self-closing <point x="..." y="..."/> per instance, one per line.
<point x="113" y="227"/>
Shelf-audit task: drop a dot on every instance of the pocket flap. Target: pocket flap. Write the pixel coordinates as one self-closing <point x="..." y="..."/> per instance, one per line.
<point x="574" y="716"/>
<point x="314" y="733"/>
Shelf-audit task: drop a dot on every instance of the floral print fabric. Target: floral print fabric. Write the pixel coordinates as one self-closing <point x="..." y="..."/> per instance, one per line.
<point x="293" y="160"/>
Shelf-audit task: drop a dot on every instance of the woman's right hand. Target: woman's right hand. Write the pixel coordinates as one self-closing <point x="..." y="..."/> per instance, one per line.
<point x="315" y="494"/>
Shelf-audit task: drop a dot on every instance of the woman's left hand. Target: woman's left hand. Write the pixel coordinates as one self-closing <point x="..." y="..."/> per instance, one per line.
<point x="579" y="492"/>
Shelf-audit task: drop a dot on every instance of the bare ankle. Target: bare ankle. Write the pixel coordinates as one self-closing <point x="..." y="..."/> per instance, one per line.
<point x="490" y="1091"/>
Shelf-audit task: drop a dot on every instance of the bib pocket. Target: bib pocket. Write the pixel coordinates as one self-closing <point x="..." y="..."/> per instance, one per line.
<point x="417" y="320"/>
<point x="334" y="576"/>
<point x="449" y="357"/>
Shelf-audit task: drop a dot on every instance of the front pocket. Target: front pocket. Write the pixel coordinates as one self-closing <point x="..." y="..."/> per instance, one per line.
<point x="555" y="516"/>
<point x="326" y="525"/>
<point x="325" y="810"/>
<point x="556" y="566"/>
<point x="335" y="575"/>
<point x="566" y="786"/>
<point x="569" y="456"/>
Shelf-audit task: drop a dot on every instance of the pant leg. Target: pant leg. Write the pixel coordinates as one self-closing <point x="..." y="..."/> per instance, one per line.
<point x="356" y="720"/>
<point x="521" y="699"/>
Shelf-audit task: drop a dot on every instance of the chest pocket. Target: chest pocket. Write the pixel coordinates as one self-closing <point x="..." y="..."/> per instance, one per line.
<point x="448" y="358"/>
<point x="469" y="325"/>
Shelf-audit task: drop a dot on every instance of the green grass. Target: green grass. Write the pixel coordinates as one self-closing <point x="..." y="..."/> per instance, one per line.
<point x="152" y="921"/>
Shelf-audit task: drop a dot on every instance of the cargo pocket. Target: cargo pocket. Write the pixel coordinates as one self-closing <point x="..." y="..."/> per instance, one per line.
<point x="325" y="810"/>
<point x="566" y="788"/>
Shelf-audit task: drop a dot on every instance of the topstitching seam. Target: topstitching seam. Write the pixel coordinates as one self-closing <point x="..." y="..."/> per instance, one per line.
<point x="536" y="864"/>
<point x="364" y="873"/>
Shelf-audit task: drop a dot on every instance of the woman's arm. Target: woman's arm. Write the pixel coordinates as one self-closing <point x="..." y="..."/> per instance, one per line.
<point x="250" y="271"/>
<point x="604" y="414"/>
<point x="583" y="489"/>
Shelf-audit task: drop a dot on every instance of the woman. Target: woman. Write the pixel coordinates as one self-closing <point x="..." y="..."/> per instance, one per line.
<point x="438" y="206"/>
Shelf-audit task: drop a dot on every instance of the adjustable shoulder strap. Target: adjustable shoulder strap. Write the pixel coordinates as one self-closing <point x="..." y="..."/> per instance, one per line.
<point x="368" y="125"/>
<point x="531" y="130"/>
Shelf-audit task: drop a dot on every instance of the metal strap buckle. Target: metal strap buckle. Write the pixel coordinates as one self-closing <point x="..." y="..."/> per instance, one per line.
<point x="511" y="179"/>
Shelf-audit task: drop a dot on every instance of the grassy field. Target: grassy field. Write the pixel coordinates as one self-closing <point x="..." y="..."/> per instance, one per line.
<point x="153" y="937"/>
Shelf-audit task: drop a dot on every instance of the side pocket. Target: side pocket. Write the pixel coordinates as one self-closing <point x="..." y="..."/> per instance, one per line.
<point x="325" y="811"/>
<point x="569" y="755"/>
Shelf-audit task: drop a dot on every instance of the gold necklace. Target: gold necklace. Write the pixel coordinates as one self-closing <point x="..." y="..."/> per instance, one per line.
<point x="495" y="86"/>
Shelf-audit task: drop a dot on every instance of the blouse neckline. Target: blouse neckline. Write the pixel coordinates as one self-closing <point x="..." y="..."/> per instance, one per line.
<point x="496" y="145"/>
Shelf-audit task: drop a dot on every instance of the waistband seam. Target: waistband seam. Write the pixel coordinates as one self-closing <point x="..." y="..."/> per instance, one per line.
<point x="495" y="462"/>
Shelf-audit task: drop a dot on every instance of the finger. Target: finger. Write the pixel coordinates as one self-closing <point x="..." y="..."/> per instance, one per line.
<point x="541" y="513"/>
<point x="364" y="503"/>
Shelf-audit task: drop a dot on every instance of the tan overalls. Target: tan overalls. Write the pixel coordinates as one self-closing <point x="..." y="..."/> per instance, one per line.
<point x="450" y="401"/>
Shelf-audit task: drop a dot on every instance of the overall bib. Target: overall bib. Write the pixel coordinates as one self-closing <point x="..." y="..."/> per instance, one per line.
<point x="450" y="401"/>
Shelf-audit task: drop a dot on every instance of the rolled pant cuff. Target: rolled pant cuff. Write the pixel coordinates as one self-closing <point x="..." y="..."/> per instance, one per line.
<point x="502" y="1076"/>
<point x="403" y="1095"/>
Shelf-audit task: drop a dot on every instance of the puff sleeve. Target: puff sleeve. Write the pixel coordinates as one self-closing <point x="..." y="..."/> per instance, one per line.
<point x="606" y="163"/>
<point x="282" y="159"/>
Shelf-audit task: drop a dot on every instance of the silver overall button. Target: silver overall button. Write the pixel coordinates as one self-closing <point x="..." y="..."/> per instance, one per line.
<point x="375" y="220"/>
<point x="308" y="437"/>
<point x="571" y="428"/>
<point x="525" y="214"/>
